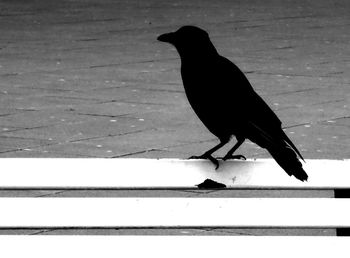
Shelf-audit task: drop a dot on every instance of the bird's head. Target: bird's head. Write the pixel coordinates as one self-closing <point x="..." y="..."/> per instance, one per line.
<point x="188" y="40"/>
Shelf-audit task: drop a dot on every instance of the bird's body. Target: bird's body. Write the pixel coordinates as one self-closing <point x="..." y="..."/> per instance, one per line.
<point x="226" y="103"/>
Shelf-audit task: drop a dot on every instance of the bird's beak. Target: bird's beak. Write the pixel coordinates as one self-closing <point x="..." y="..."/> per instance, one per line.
<point x="167" y="37"/>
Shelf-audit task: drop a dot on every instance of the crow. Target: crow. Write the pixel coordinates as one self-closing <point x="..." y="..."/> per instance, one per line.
<point x="226" y="103"/>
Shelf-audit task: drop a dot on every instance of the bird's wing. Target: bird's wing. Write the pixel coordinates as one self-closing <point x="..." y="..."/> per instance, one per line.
<point x="251" y="110"/>
<point x="237" y="95"/>
<point x="264" y="137"/>
<point x="261" y="117"/>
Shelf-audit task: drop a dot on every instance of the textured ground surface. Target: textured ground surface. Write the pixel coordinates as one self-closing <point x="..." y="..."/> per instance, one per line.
<point x="88" y="78"/>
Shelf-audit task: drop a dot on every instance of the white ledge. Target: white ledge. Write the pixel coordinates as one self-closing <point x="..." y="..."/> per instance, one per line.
<point x="175" y="212"/>
<point x="166" y="173"/>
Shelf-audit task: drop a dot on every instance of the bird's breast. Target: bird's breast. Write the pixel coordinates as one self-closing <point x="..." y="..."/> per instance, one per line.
<point x="209" y="100"/>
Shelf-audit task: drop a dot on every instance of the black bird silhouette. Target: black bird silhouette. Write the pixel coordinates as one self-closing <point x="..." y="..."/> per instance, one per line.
<point x="222" y="97"/>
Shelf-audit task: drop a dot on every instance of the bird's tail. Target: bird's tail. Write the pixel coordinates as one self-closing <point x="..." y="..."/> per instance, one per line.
<point x="282" y="150"/>
<point x="288" y="160"/>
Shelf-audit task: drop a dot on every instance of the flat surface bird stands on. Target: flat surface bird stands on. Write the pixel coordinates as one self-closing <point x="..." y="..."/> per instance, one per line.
<point x="166" y="174"/>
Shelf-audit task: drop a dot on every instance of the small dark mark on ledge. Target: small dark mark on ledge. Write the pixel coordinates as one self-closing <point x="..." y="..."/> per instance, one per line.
<point x="210" y="184"/>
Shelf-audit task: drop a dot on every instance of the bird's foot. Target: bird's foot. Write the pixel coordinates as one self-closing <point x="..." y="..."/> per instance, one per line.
<point x="209" y="157"/>
<point x="226" y="157"/>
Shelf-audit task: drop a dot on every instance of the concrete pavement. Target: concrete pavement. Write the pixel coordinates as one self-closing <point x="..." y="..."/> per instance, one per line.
<point x="89" y="79"/>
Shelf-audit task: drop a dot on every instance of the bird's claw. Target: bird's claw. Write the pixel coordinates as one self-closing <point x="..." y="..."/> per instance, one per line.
<point x="209" y="157"/>
<point x="241" y="157"/>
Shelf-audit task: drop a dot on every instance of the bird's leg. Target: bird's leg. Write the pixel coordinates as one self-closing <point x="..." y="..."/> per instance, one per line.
<point x="207" y="154"/>
<point x="229" y="154"/>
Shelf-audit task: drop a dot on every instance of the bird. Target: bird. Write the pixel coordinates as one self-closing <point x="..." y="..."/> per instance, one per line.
<point x="227" y="104"/>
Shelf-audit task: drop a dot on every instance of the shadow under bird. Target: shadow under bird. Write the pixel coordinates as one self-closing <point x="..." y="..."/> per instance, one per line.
<point x="226" y="103"/>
